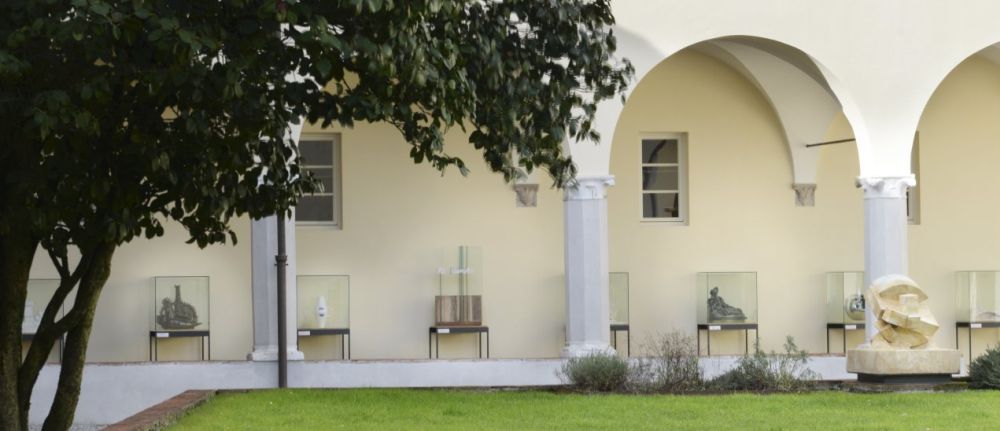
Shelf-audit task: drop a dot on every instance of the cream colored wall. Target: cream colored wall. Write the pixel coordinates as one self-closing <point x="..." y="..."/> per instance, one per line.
<point x="399" y="218"/>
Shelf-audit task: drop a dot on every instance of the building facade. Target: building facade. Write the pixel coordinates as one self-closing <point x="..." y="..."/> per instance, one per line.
<point x="729" y="95"/>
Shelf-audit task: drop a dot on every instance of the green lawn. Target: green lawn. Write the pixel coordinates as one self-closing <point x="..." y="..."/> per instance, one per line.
<point x="358" y="409"/>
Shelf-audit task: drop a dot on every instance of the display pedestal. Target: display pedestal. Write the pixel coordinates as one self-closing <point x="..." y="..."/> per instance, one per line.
<point x="439" y="330"/>
<point x="842" y="327"/>
<point x="903" y="366"/>
<point x="709" y="328"/>
<point x="155" y="336"/>
<point x="970" y="327"/>
<point x="344" y="333"/>
<point x="621" y="327"/>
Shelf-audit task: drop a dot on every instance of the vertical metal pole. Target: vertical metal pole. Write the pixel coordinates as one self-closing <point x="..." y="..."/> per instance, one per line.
<point x="282" y="261"/>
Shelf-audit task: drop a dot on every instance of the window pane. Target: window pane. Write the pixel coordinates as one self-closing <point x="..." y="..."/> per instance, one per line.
<point x="660" y="178"/>
<point x="316" y="152"/>
<point x="661" y="205"/>
<point x="315" y="208"/>
<point x="325" y="177"/>
<point x="659" y="151"/>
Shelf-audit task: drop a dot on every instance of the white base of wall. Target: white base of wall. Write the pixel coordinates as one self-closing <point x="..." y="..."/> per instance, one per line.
<point x="112" y="392"/>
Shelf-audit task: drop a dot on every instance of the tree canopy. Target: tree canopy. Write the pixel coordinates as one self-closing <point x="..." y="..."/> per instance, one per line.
<point x="122" y="115"/>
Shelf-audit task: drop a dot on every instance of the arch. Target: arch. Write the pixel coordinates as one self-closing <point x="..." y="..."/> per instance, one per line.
<point x="804" y="94"/>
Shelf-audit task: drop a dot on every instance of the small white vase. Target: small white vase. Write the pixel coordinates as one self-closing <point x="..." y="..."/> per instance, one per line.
<point x="321" y="311"/>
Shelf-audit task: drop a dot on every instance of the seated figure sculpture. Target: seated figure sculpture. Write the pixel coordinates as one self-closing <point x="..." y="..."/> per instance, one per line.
<point x="719" y="310"/>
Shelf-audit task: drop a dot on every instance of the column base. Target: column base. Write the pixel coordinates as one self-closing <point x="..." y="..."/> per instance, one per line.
<point x="586" y="349"/>
<point x="270" y="354"/>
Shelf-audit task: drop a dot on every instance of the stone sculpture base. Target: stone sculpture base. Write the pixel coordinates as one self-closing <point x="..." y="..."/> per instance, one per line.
<point x="904" y="366"/>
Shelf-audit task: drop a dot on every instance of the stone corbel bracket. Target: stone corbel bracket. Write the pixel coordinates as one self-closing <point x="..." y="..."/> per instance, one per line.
<point x="805" y="194"/>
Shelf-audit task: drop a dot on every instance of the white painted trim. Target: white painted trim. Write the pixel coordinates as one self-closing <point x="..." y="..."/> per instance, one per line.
<point x="682" y="181"/>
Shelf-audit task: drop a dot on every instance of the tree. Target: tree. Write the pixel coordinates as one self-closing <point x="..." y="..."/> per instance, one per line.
<point x="123" y="115"/>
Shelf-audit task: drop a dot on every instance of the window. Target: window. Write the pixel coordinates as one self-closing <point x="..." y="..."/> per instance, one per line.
<point x="664" y="177"/>
<point x="321" y="157"/>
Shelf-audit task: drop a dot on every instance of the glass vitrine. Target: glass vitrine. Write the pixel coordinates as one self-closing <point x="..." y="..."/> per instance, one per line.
<point x="978" y="296"/>
<point x="324" y="301"/>
<point x="727" y="297"/>
<point x="459" y="299"/>
<point x="180" y="303"/>
<point x="845" y="297"/>
<point x="618" y="295"/>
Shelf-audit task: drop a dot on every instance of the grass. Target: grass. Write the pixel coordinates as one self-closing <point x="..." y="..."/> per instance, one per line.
<point x="378" y="409"/>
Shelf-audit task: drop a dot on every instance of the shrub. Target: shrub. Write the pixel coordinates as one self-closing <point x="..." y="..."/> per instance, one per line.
<point x="671" y="365"/>
<point x="596" y="372"/>
<point x="761" y="371"/>
<point x="984" y="371"/>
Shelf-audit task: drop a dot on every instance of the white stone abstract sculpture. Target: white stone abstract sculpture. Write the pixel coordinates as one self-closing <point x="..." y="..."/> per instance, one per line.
<point x="903" y="345"/>
<point x="321" y="311"/>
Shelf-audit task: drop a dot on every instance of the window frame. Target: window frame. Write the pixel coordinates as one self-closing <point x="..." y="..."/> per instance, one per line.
<point x="336" y="193"/>
<point x="682" y="177"/>
<point x="913" y="193"/>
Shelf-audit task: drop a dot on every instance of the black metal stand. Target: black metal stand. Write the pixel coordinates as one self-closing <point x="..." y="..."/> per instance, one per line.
<point x="714" y="327"/>
<point x="843" y="327"/>
<point x="439" y="330"/>
<point x="30" y="337"/>
<point x="344" y="333"/>
<point x="970" y="326"/>
<point x="621" y="327"/>
<point x="155" y="336"/>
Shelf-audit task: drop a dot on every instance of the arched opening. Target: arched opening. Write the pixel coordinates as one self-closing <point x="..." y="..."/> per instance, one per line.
<point x="955" y="156"/>
<point x="705" y="153"/>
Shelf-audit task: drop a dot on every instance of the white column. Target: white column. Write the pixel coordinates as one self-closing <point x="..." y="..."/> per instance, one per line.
<point x="586" y="220"/>
<point x="886" y="250"/>
<point x="264" y="247"/>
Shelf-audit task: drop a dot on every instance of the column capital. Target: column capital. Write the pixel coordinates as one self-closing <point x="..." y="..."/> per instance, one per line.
<point x="885" y="187"/>
<point x="589" y="187"/>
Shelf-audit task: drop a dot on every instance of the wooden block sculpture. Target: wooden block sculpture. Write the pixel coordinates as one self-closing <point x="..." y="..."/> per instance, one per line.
<point x="903" y="318"/>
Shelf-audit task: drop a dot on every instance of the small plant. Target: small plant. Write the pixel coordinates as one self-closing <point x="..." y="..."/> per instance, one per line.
<point x="761" y="371"/>
<point x="671" y="365"/>
<point x="984" y="371"/>
<point x="596" y="372"/>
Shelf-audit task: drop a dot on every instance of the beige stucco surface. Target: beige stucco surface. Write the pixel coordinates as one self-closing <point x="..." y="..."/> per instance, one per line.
<point x="399" y="218"/>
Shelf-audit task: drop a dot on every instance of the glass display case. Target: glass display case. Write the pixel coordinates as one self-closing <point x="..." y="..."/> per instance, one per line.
<point x="978" y="296"/>
<point x="727" y="297"/>
<point x="845" y="297"/>
<point x="324" y="301"/>
<point x="618" y="293"/>
<point x="39" y="294"/>
<point x="180" y="304"/>
<point x="459" y="301"/>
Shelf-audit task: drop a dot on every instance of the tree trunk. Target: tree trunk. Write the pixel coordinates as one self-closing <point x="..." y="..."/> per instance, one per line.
<point x="75" y="351"/>
<point x="17" y="250"/>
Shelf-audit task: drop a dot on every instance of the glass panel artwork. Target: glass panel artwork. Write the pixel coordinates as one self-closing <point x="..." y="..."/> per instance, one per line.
<point x="845" y="297"/>
<point x="324" y="301"/>
<point x="618" y="294"/>
<point x="180" y="304"/>
<point x="460" y="287"/>
<point x="39" y="294"/>
<point x="727" y="297"/>
<point x="978" y="296"/>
